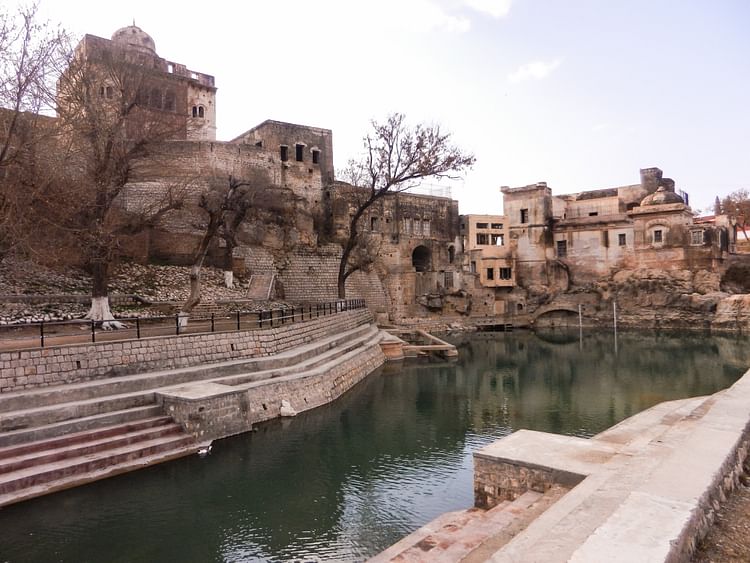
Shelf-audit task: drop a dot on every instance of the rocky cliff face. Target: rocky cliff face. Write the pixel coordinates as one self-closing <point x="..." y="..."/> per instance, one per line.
<point x="653" y="298"/>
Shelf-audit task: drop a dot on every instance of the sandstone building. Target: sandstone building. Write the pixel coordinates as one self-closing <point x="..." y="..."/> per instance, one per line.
<point x="431" y="262"/>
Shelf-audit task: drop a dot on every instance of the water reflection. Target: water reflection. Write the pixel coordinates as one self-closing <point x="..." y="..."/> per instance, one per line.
<point x="344" y="481"/>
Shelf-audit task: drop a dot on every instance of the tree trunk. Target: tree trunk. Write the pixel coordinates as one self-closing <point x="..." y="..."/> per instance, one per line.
<point x="195" y="293"/>
<point x="100" y="310"/>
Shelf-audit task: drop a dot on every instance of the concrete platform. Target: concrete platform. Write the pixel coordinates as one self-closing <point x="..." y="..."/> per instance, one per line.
<point x="644" y="490"/>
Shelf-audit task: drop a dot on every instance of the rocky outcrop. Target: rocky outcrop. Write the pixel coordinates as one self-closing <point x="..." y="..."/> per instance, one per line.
<point x="733" y="314"/>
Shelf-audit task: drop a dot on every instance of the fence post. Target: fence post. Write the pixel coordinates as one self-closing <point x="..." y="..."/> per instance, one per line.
<point x="93" y="331"/>
<point x="238" y="319"/>
<point x="260" y="319"/>
<point x="177" y="323"/>
<point x="213" y="322"/>
<point x="138" y="327"/>
<point x="41" y="334"/>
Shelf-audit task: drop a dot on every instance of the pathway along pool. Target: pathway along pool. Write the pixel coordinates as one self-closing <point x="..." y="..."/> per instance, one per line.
<point x="343" y="482"/>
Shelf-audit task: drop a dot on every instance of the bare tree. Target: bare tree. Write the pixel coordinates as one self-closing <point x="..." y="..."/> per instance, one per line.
<point x="32" y="54"/>
<point x="737" y="204"/>
<point x="396" y="157"/>
<point x="226" y="205"/>
<point x="111" y="136"/>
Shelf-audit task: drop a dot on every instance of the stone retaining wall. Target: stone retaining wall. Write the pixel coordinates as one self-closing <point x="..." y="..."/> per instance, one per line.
<point x="219" y="413"/>
<point x="41" y="367"/>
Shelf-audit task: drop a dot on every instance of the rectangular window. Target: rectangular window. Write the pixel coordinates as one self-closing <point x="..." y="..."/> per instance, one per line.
<point x="482" y="225"/>
<point x="316" y="156"/>
<point x="657" y="235"/>
<point x="490" y="273"/>
<point x="524" y="215"/>
<point x="562" y="248"/>
<point x="473" y="267"/>
<point x="284" y="152"/>
<point x="505" y="273"/>
<point x="417" y="226"/>
<point x="496" y="226"/>
<point x="483" y="238"/>
<point x="373" y="223"/>
<point x="299" y="152"/>
<point x="497" y="240"/>
<point x="593" y="213"/>
<point x="448" y="282"/>
<point x="426" y="227"/>
<point x="696" y="237"/>
<point x="621" y="239"/>
<point x="170" y="68"/>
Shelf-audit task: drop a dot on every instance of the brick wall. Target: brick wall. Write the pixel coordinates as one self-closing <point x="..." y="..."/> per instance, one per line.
<point x="28" y="369"/>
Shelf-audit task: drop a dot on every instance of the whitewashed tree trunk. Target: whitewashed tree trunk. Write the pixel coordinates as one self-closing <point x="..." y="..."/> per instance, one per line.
<point x="229" y="279"/>
<point x="100" y="311"/>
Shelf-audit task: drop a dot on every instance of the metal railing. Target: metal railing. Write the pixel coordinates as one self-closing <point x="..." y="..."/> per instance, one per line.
<point x="45" y="333"/>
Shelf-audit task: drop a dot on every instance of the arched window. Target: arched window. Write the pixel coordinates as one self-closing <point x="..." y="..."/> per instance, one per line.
<point x="420" y="258"/>
<point x="201" y="111"/>
<point x="195" y="111"/>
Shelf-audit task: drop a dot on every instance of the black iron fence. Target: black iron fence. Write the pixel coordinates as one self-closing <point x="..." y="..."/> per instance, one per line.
<point x="45" y="333"/>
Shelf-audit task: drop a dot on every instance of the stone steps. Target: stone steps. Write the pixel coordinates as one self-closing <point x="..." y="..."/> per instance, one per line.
<point x="41" y="467"/>
<point x="63" y="428"/>
<point x="260" y="286"/>
<point x="461" y="535"/>
<point x="165" y="378"/>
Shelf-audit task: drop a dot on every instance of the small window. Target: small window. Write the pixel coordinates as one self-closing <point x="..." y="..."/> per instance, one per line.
<point x="451" y="254"/>
<point x="195" y="111"/>
<point x="373" y="223"/>
<point x="524" y="215"/>
<point x="299" y="152"/>
<point x="201" y="111"/>
<point x="155" y="99"/>
<point x="110" y="92"/>
<point x="448" y="280"/>
<point x="101" y="91"/>
<point x="490" y="273"/>
<point x="505" y="273"/>
<point x="593" y="213"/>
<point x="482" y="225"/>
<point x="406" y="225"/>
<point x="496" y="226"/>
<point x="473" y="267"/>
<point x="562" y="248"/>
<point x="170" y="68"/>
<point x="284" y="153"/>
<point x="483" y="238"/>
<point x="194" y="76"/>
<point x="426" y="227"/>
<point x="658" y="235"/>
<point x="497" y="240"/>
<point x="316" y="156"/>
<point x="696" y="237"/>
<point x="621" y="239"/>
<point x="259" y="144"/>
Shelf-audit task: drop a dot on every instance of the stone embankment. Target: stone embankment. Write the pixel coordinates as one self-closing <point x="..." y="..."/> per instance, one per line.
<point x="92" y="422"/>
<point x="647" y="489"/>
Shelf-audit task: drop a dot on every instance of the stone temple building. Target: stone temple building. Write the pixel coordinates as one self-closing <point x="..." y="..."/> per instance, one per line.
<point x="431" y="262"/>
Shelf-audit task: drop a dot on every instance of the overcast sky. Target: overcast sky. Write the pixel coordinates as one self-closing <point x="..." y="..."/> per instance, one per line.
<point x="578" y="93"/>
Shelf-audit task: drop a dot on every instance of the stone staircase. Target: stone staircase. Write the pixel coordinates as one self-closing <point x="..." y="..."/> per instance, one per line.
<point x="472" y="535"/>
<point x="59" y="437"/>
<point x="261" y="285"/>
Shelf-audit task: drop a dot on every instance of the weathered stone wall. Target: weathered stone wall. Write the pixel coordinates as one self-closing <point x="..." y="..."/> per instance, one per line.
<point x="311" y="275"/>
<point x="28" y="369"/>
<point x="233" y="412"/>
<point x="496" y="481"/>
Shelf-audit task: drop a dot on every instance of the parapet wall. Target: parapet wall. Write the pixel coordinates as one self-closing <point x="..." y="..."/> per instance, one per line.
<point x="42" y="367"/>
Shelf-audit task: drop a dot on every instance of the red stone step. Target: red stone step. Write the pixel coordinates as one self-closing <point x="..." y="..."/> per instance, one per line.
<point x="38" y="475"/>
<point x="82" y="447"/>
<point x="82" y="436"/>
<point x="68" y="482"/>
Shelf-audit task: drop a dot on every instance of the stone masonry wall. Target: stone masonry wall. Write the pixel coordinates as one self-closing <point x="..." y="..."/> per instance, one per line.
<point x="42" y="367"/>
<point x="226" y="414"/>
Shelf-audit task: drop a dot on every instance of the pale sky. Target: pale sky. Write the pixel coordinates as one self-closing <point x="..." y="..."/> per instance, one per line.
<point x="578" y="93"/>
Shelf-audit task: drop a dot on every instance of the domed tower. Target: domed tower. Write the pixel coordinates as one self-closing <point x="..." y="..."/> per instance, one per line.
<point x="134" y="38"/>
<point x="661" y="196"/>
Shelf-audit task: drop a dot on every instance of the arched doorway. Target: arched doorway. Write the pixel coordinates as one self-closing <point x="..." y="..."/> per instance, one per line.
<point x="420" y="258"/>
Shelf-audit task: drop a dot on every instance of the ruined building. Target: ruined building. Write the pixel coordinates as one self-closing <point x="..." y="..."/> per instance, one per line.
<point x="431" y="262"/>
